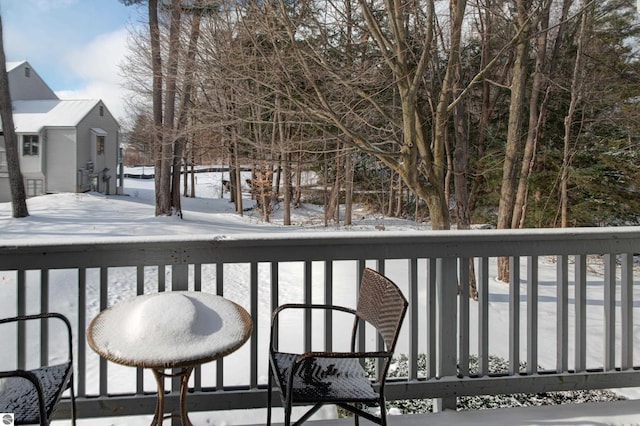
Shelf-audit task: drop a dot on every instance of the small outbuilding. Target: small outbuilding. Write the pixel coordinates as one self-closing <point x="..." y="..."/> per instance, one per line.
<point x="64" y="145"/>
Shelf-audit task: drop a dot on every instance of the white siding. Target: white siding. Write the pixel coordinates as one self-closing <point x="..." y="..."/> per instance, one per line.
<point x="87" y="146"/>
<point x="5" y="190"/>
<point x="60" y="160"/>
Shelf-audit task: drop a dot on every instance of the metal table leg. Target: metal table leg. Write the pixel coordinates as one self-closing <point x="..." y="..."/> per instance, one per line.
<point x="160" y="375"/>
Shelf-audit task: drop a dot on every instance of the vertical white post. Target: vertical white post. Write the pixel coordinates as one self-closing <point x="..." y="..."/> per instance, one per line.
<point x="446" y="288"/>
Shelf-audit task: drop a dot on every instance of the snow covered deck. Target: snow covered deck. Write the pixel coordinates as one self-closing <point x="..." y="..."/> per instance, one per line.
<point x="619" y="413"/>
<point x="569" y="319"/>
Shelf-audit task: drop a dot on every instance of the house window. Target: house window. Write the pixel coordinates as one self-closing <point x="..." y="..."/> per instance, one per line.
<point x="27" y="72"/>
<point x="101" y="111"/>
<point x="34" y="187"/>
<point x="30" y="145"/>
<point x="100" y="145"/>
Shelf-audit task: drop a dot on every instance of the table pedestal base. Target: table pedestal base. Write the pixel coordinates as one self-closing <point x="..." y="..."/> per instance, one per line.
<point x="159" y="415"/>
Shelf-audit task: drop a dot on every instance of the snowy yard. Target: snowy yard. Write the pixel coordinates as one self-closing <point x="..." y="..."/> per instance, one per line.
<point x="63" y="217"/>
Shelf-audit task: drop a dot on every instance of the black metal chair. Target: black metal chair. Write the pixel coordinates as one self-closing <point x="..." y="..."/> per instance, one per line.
<point x="338" y="377"/>
<point x="32" y="395"/>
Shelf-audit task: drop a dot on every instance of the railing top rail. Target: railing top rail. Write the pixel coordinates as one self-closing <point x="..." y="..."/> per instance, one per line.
<point x="298" y="246"/>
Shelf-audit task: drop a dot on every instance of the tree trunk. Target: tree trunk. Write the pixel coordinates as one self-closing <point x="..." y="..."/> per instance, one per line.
<point x="390" y="194"/>
<point x="287" y="189"/>
<point x="488" y="98"/>
<point x="162" y="203"/>
<point x="514" y="140"/>
<point x="298" y="186"/>
<point x="348" y="186"/>
<point x="185" y="107"/>
<point x="460" y="167"/>
<point x="576" y="96"/>
<point x="193" y="180"/>
<point x="16" y="182"/>
<point x="333" y="207"/>
<point x="168" y="128"/>
<point x="277" y="181"/>
<point x="535" y="120"/>
<point x="237" y="188"/>
<point x="437" y="202"/>
<point x="185" y="181"/>
<point x="398" y="197"/>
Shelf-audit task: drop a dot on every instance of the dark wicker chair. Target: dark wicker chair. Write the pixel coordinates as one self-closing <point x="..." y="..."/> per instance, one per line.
<point x="338" y="377"/>
<point x="32" y="395"/>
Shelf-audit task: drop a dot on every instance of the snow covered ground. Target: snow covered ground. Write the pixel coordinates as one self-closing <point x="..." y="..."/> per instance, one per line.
<point x="64" y="216"/>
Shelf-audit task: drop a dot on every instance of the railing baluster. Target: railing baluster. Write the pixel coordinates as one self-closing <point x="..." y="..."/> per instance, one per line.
<point x="307" y="300"/>
<point x="139" y="291"/>
<point x="432" y="322"/>
<point x="253" y="342"/>
<point x="379" y="341"/>
<point x="483" y="317"/>
<point x="220" y="292"/>
<point x="104" y="299"/>
<point x="179" y="282"/>
<point x="361" y="330"/>
<point x="580" y="313"/>
<point x="328" y="299"/>
<point x="44" y="324"/>
<point x="162" y="285"/>
<point x="463" y="316"/>
<point x="275" y="299"/>
<point x="197" y="277"/>
<point x="413" y="317"/>
<point x="22" y="308"/>
<point x="81" y="359"/>
<point x="532" y="314"/>
<point x="609" y="311"/>
<point x="562" y="309"/>
<point x="197" y="286"/>
<point x="514" y="314"/>
<point x="627" y="310"/>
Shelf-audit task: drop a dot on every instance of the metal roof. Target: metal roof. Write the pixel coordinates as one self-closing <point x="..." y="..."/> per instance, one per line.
<point x="33" y="116"/>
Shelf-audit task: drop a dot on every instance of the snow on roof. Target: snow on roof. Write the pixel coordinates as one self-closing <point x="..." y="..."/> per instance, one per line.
<point x="33" y="116"/>
<point x="12" y="65"/>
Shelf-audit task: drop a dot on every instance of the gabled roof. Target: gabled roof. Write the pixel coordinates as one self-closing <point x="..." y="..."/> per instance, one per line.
<point x="26" y="84"/>
<point x="33" y="116"/>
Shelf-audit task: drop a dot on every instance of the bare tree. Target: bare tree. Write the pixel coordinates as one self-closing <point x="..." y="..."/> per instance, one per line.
<point x="577" y="82"/>
<point x="185" y="107"/>
<point x="16" y="182"/>
<point x="537" y="111"/>
<point x="525" y="19"/>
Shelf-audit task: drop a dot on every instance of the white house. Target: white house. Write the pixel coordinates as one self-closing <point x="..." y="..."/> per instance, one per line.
<point x="64" y="145"/>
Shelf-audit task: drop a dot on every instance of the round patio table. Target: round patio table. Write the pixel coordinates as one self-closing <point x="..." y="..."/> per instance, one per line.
<point x="170" y="330"/>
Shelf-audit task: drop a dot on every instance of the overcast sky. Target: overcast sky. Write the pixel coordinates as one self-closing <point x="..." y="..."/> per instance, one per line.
<point x="74" y="45"/>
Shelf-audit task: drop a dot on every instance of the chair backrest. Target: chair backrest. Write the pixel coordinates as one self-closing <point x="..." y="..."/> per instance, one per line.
<point x="381" y="303"/>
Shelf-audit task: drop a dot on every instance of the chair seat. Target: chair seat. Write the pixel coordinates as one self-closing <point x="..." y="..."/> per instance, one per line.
<point x="325" y="379"/>
<point x="19" y="396"/>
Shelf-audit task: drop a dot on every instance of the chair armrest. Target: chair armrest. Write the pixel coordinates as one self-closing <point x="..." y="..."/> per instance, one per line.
<point x="301" y="306"/>
<point x="46" y="316"/>
<point x="281" y="308"/>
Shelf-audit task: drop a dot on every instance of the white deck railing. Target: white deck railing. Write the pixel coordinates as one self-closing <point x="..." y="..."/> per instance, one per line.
<point x="81" y="277"/>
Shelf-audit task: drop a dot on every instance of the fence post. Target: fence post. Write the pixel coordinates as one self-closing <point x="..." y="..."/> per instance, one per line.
<point x="447" y="318"/>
